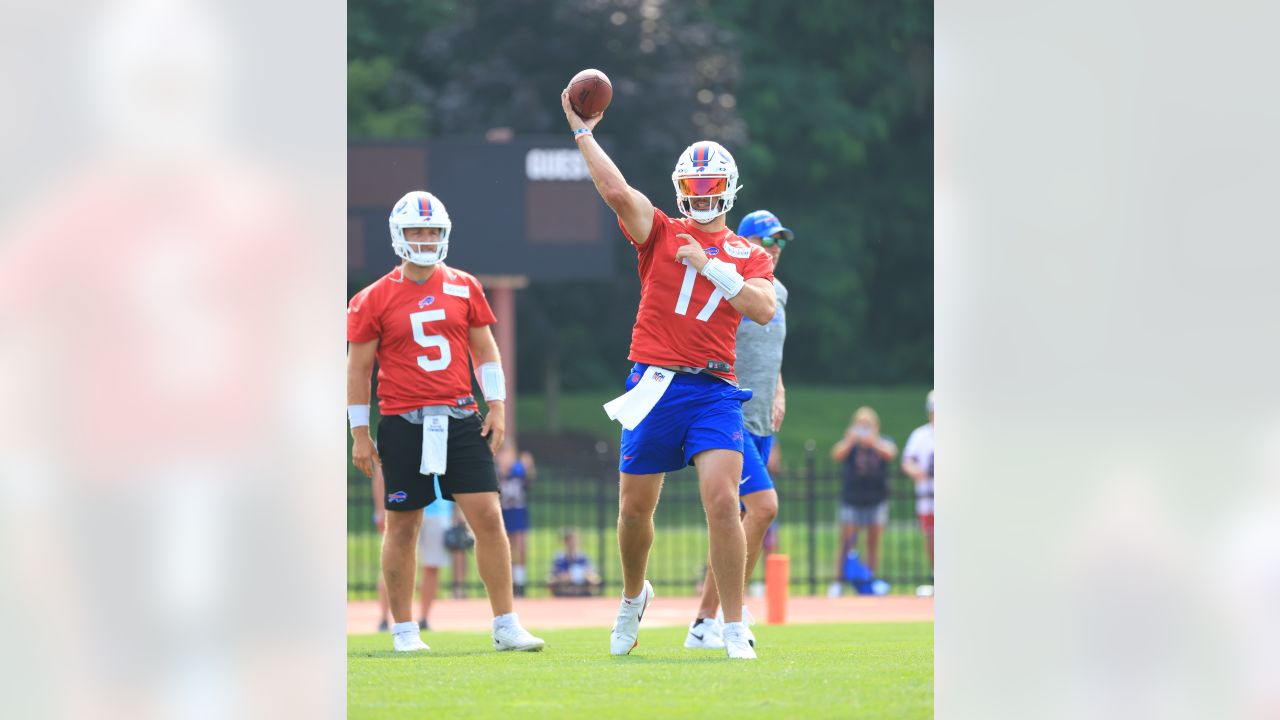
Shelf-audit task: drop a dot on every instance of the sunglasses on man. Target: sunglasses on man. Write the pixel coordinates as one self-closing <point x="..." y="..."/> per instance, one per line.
<point x="770" y="241"/>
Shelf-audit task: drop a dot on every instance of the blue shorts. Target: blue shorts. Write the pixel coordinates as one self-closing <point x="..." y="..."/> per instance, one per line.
<point x="755" y="476"/>
<point x="516" y="519"/>
<point x="697" y="412"/>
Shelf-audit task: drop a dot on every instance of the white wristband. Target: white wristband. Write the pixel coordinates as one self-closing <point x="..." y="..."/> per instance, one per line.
<point x="724" y="276"/>
<point x="358" y="415"/>
<point x="493" y="381"/>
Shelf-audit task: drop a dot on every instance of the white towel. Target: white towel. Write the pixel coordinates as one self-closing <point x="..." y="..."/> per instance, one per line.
<point x="633" y="406"/>
<point x="435" y="444"/>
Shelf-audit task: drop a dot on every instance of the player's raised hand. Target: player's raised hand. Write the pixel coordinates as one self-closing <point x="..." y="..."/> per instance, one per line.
<point x="692" y="252"/>
<point x="575" y="120"/>
<point x="363" y="453"/>
<point x="495" y="425"/>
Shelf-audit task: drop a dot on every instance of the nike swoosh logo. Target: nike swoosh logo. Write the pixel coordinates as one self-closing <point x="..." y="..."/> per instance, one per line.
<point x="696" y="635"/>
<point x="744" y="479"/>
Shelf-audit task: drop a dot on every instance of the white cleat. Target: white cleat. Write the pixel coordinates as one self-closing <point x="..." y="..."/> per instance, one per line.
<point x="626" y="628"/>
<point x="705" y="634"/>
<point x="513" y="637"/>
<point x="835" y="589"/>
<point x="405" y="637"/>
<point x="747" y="621"/>
<point x="735" y="642"/>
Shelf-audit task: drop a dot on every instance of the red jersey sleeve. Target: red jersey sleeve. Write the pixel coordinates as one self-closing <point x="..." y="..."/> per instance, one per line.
<point x="479" y="313"/>
<point x="659" y="220"/>
<point x="758" y="265"/>
<point x="363" y="323"/>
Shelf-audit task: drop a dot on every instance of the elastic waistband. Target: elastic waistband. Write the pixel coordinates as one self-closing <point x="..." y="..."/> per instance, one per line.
<point x="682" y="373"/>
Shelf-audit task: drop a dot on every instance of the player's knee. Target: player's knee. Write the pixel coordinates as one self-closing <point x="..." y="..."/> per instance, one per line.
<point x="764" y="510"/>
<point x="486" y="522"/>
<point x="722" y="506"/>
<point x="400" y="533"/>
<point x="632" y="513"/>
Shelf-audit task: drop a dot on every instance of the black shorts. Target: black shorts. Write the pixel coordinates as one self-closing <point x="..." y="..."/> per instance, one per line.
<point x="469" y="466"/>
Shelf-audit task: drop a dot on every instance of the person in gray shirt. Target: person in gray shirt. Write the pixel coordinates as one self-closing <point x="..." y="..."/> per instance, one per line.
<point x="759" y="367"/>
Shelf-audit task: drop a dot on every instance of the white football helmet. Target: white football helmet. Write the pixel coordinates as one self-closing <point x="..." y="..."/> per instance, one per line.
<point x="420" y="209"/>
<point x="705" y="169"/>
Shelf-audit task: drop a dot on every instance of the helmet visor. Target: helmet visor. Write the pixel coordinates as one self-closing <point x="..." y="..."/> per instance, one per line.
<point x="698" y="186"/>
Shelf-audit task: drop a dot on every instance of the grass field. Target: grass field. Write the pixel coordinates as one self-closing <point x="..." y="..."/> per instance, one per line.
<point x="804" y="671"/>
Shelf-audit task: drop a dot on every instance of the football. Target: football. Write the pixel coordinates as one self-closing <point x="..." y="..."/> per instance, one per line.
<point x="590" y="93"/>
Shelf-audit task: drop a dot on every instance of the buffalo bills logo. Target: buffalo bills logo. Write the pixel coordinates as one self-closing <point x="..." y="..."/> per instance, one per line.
<point x="713" y="251"/>
<point x="398" y="496"/>
<point x="426" y="301"/>
<point x="737" y="435"/>
<point x="659" y="376"/>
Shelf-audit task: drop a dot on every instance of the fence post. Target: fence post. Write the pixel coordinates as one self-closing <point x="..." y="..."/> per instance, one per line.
<point x="811" y="510"/>
<point x="602" y="481"/>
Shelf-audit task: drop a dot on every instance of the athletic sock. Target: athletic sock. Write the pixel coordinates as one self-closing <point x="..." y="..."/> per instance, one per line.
<point x="507" y="620"/>
<point x="405" y="626"/>
<point x="518" y="575"/>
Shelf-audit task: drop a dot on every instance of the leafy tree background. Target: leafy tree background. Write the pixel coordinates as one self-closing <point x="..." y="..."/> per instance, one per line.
<point x="829" y="113"/>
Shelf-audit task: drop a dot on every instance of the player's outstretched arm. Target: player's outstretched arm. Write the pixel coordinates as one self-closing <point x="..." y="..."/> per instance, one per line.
<point x="632" y="207"/>
<point x="493" y="383"/>
<point x="360" y="358"/>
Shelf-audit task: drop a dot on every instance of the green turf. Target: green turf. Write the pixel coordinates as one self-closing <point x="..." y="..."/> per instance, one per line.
<point x="804" y="671"/>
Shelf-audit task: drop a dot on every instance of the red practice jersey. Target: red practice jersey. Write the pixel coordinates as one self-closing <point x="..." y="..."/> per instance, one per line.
<point x="683" y="319"/>
<point x="424" y="336"/>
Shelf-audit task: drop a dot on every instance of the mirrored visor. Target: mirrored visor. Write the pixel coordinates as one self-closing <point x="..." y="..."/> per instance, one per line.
<point x="702" y="186"/>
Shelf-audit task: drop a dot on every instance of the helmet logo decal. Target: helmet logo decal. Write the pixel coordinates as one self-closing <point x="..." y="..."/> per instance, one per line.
<point x="701" y="156"/>
<point x="424" y="211"/>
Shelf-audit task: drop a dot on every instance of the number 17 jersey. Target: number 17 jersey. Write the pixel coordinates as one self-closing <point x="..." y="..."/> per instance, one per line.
<point x="683" y="319"/>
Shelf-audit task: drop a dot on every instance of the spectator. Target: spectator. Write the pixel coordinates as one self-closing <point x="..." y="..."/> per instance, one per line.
<point x="432" y="554"/>
<point x="864" y="455"/>
<point x="515" y="476"/>
<point x="458" y="540"/>
<point x="572" y="574"/>
<point x="917" y="463"/>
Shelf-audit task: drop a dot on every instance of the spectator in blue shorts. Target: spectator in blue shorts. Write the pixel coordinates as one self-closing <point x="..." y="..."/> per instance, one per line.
<point x="516" y="474"/>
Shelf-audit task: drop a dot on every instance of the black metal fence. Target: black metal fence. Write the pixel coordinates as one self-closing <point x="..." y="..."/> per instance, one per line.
<point x="585" y="498"/>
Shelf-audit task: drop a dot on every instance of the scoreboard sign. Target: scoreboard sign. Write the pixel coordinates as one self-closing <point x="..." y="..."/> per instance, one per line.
<point x="525" y="207"/>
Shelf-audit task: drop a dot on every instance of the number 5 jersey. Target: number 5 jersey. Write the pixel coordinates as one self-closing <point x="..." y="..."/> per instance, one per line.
<point x="424" y="336"/>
